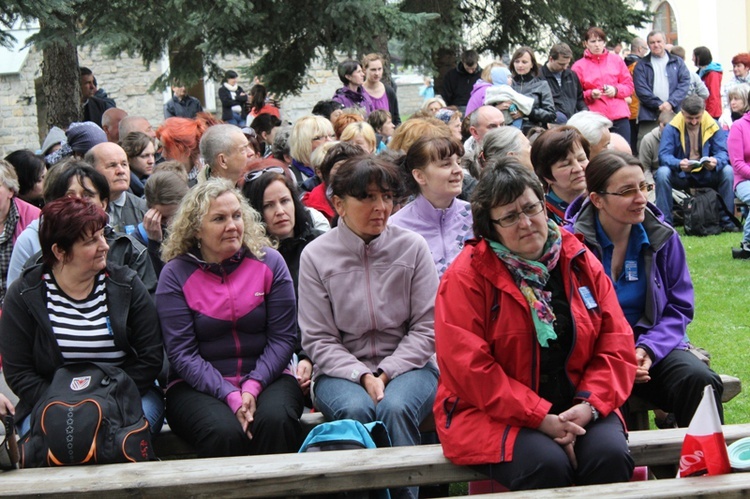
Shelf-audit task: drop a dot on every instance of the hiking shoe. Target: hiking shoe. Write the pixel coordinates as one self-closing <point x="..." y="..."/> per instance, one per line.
<point x="743" y="252"/>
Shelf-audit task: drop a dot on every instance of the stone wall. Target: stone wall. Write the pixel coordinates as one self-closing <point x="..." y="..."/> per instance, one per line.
<point x="18" y="111"/>
<point x="127" y="81"/>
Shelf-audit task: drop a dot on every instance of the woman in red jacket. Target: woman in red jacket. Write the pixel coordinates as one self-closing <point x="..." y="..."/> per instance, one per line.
<point x="535" y="354"/>
<point x="711" y="73"/>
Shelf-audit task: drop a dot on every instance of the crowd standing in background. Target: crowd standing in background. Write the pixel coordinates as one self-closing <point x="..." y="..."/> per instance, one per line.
<point x="336" y="262"/>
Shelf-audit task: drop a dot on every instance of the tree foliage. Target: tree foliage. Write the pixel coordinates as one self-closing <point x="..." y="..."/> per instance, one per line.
<point x="284" y="37"/>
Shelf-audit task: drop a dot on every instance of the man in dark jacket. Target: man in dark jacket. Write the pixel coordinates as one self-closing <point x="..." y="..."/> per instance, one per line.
<point x="93" y="107"/>
<point x="567" y="91"/>
<point x="662" y="90"/>
<point x="458" y="82"/>
<point x="181" y="104"/>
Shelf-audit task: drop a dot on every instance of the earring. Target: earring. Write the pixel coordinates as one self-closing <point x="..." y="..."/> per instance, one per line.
<point x="199" y="244"/>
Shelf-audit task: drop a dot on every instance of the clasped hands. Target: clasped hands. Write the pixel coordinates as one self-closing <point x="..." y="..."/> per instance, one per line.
<point x="246" y="413"/>
<point x="375" y="385"/>
<point x="565" y="427"/>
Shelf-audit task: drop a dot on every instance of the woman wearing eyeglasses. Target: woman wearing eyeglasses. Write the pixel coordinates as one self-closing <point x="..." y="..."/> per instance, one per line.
<point x="645" y="259"/>
<point x="534" y="352"/>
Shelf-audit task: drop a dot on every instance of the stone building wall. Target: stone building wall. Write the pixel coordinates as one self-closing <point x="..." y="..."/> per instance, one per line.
<point x="127" y="81"/>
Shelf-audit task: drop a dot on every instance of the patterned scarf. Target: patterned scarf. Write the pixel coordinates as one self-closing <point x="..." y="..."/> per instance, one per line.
<point x="531" y="277"/>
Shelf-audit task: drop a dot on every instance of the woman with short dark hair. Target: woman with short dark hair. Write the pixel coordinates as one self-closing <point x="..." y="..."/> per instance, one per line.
<point x="233" y="100"/>
<point x="711" y="74"/>
<point x="560" y="156"/>
<point x="351" y="94"/>
<point x="31" y="171"/>
<point x="74" y="285"/>
<point x="606" y="81"/>
<point x="141" y="153"/>
<point x="534" y="352"/>
<point x="372" y="342"/>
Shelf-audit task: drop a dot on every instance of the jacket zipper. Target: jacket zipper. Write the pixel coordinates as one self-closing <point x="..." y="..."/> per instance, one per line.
<point x="370" y="305"/>
<point x="234" y="323"/>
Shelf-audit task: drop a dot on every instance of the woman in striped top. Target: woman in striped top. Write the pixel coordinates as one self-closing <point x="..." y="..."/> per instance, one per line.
<point x="75" y="307"/>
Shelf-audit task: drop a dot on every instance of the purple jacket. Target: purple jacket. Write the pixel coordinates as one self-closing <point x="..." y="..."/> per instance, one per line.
<point x="669" y="297"/>
<point x="444" y="230"/>
<point x="349" y="98"/>
<point x="477" y="96"/>
<point x="738" y="145"/>
<point x="227" y="326"/>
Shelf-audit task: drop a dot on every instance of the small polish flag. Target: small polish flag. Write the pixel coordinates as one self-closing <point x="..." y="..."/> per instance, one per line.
<point x="704" y="450"/>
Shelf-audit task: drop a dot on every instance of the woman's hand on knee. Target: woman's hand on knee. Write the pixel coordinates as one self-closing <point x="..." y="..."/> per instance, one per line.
<point x="374" y="386"/>
<point x="304" y="374"/>
<point x="6" y="407"/>
<point x="246" y="413"/>
<point x="562" y="432"/>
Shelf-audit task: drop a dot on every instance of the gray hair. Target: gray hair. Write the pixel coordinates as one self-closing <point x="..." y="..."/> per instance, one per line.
<point x="217" y="140"/>
<point x="501" y="141"/>
<point x="591" y="125"/>
<point x="8" y="176"/>
<point x="126" y="124"/>
<point x="280" y="147"/>
<point x="638" y="43"/>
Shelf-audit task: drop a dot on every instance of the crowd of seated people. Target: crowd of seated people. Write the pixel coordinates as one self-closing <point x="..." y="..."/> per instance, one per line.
<point x="385" y="274"/>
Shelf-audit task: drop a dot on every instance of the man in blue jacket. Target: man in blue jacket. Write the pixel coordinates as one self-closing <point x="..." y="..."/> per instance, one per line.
<point x="661" y="82"/>
<point x="693" y="135"/>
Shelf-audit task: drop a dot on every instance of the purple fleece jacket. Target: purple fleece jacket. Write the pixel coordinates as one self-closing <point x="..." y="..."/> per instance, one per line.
<point x="670" y="300"/>
<point x="228" y="328"/>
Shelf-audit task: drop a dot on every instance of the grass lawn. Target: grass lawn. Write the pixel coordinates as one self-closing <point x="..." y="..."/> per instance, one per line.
<point x="722" y="312"/>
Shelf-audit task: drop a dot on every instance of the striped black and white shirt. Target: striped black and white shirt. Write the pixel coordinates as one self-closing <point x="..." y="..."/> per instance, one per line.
<point x="81" y="327"/>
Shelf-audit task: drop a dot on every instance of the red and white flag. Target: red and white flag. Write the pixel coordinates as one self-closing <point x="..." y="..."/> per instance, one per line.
<point x="704" y="450"/>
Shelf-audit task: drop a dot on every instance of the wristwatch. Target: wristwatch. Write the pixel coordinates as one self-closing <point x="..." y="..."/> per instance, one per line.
<point x="594" y="411"/>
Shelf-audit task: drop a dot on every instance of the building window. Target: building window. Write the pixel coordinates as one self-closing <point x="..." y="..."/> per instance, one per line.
<point x="664" y="21"/>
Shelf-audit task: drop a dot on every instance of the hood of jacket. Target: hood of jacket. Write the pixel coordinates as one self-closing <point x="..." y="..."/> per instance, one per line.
<point x="462" y="70"/>
<point x="714" y="66"/>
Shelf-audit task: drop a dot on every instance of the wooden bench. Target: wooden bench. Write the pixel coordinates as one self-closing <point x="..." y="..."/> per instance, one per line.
<point x="287" y="475"/>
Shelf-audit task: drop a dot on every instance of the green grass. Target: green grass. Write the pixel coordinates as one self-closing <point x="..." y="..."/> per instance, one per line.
<point x="722" y="312"/>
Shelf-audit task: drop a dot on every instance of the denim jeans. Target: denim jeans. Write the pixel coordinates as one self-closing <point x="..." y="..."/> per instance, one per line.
<point x="407" y="402"/>
<point x="666" y="179"/>
<point x="743" y="194"/>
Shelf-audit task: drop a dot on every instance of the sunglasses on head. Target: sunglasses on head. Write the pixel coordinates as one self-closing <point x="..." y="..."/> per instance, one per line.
<point x="255" y="174"/>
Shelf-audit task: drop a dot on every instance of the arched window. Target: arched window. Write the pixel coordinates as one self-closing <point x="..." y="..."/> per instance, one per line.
<point x="664" y="21"/>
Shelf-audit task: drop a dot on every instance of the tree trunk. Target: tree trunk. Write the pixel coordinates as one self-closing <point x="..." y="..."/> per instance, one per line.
<point x="61" y="80"/>
<point x="444" y="60"/>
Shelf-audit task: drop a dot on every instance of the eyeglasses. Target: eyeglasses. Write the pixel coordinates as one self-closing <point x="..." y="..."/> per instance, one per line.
<point x="645" y="188"/>
<point x="512" y="219"/>
<point x="324" y="136"/>
<point x="255" y="174"/>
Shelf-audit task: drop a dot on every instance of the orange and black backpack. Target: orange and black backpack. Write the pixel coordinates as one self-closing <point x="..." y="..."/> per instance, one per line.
<point x="90" y="414"/>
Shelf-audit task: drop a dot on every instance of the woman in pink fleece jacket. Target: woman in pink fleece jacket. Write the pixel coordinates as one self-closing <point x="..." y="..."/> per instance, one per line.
<point x="606" y="81"/>
<point x="366" y="300"/>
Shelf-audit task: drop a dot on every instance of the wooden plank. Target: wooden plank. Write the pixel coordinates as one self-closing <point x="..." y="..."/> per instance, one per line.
<point x="734" y="485"/>
<point x="292" y="474"/>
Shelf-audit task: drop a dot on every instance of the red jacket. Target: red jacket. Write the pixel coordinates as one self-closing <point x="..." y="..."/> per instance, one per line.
<point x="595" y="71"/>
<point x="489" y="355"/>
<point x="712" y="79"/>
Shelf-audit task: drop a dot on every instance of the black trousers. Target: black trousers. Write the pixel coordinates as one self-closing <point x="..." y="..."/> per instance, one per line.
<point x="210" y="426"/>
<point x="677" y="384"/>
<point x="538" y="462"/>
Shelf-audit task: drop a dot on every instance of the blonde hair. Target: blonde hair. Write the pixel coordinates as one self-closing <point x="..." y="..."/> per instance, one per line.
<point x="366" y="60"/>
<point x="426" y="104"/>
<point x="360" y="129"/>
<point x="304" y="130"/>
<point x="414" y="128"/>
<point x="193" y="209"/>
<point x="487" y="71"/>
<point x="8" y="176"/>
<point x="319" y="154"/>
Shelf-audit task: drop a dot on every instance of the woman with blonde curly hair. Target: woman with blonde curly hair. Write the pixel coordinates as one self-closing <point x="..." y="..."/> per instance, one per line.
<point x="227" y="309"/>
<point x="361" y="134"/>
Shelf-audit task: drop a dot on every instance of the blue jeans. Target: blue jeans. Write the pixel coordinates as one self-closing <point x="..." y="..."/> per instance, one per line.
<point x="666" y="179"/>
<point x="407" y="402"/>
<point x="153" y="408"/>
<point x="743" y="194"/>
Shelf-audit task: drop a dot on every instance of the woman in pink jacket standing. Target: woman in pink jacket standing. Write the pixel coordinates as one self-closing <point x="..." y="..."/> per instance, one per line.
<point x="606" y="81"/>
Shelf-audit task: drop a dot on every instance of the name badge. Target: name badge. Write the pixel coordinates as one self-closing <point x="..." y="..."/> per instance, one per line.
<point x="587" y="297"/>
<point x="631" y="270"/>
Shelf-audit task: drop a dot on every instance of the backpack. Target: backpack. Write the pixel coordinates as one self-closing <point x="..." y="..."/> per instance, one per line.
<point x="702" y="213"/>
<point x="90" y="414"/>
<point x="347" y="434"/>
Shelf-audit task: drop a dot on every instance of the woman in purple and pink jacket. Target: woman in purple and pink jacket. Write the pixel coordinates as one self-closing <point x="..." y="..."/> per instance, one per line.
<point x="227" y="309"/>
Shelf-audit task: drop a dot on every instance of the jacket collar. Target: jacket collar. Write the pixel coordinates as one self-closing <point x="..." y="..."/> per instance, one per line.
<point x="222" y="268"/>
<point x="429" y="213"/>
<point x="356" y="244"/>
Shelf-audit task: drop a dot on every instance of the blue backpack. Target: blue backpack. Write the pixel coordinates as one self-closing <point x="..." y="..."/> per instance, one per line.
<point x="348" y="434"/>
